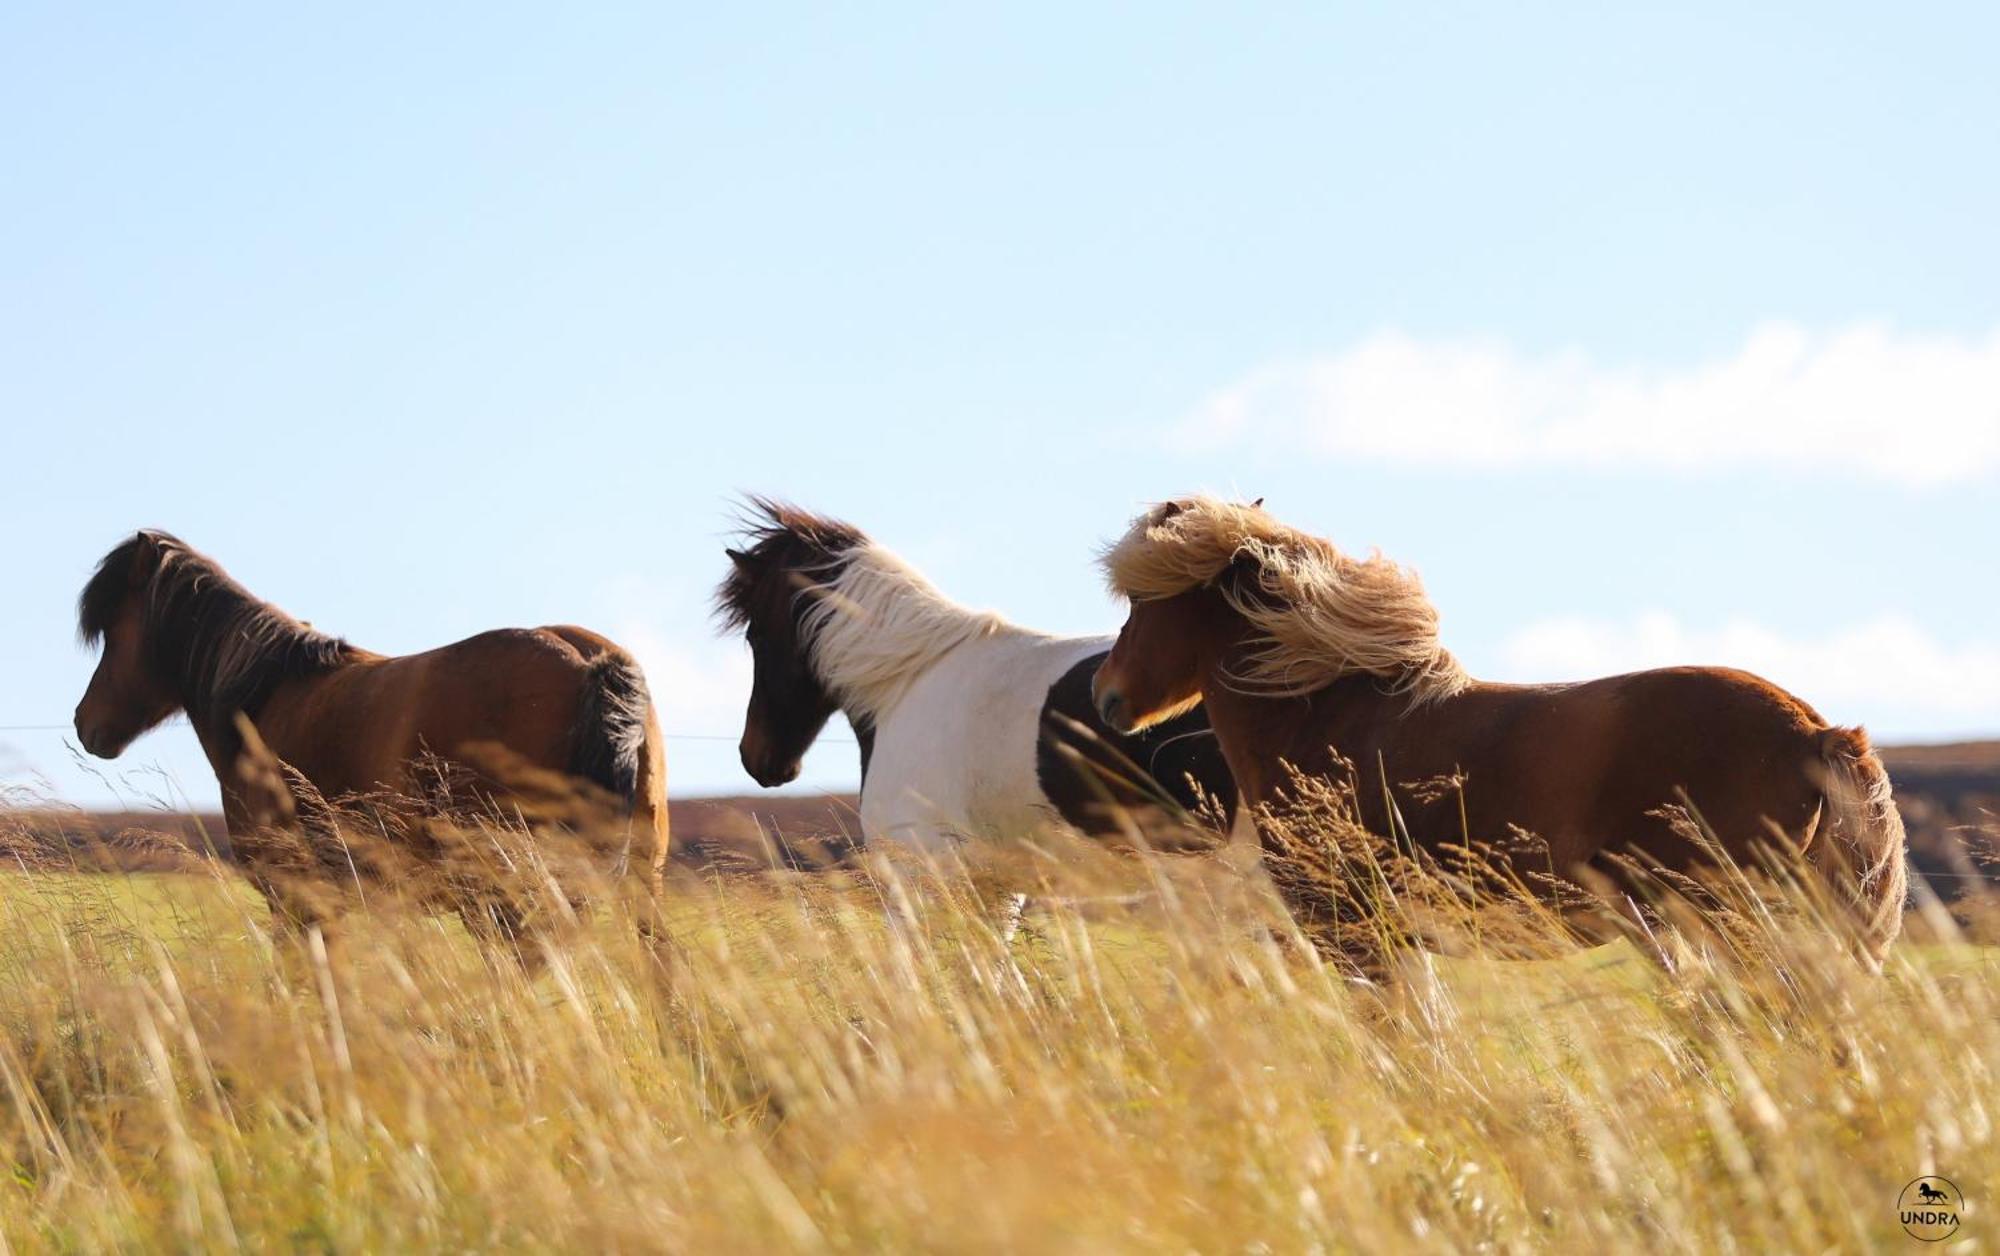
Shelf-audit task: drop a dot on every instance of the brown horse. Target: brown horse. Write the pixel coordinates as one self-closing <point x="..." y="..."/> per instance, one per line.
<point x="179" y="635"/>
<point x="1306" y="658"/>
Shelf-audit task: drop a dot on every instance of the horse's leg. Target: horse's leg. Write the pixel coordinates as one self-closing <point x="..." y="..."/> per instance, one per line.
<point x="1013" y="908"/>
<point x="1616" y="910"/>
<point x="1661" y="942"/>
<point x="1340" y="937"/>
<point x="651" y="822"/>
<point x="993" y="890"/>
<point x="492" y="923"/>
<point x="648" y="904"/>
<point x="1328" y="913"/>
<point x="648" y="908"/>
<point x="295" y="915"/>
<point x="1358" y="962"/>
<point x="1358" y="958"/>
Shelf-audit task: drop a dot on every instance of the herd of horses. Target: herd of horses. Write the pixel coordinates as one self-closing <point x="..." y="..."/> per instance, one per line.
<point x="1255" y="659"/>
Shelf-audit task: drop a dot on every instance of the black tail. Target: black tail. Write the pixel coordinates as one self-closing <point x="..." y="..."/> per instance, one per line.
<point x="610" y="740"/>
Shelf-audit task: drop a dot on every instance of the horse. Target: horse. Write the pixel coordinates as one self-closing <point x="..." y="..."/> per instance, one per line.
<point x="179" y="635"/>
<point x="1926" y="1193"/>
<point x="969" y="726"/>
<point x="1313" y="664"/>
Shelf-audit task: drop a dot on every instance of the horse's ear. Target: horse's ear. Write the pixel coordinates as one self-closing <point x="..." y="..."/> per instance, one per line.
<point x="743" y="561"/>
<point x="1244" y="565"/>
<point x="1169" y="509"/>
<point x="1258" y="504"/>
<point x="148" y="545"/>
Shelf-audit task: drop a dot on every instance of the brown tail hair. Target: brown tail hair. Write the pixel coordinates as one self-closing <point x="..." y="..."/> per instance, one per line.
<point x="610" y="741"/>
<point x="1863" y="854"/>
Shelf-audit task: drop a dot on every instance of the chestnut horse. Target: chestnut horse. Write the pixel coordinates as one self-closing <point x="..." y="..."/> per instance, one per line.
<point x="1307" y="659"/>
<point x="969" y="725"/>
<point x="179" y="635"/>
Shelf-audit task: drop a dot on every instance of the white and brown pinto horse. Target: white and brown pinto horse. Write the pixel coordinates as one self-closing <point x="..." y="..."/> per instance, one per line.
<point x="969" y="726"/>
<point x="1305" y="657"/>
<point x="179" y="635"/>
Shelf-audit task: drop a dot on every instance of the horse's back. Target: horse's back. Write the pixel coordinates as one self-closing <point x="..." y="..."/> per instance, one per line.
<point x="1739" y="748"/>
<point x="1680" y="699"/>
<point x="1588" y="764"/>
<point x="360" y="728"/>
<point x="957" y="753"/>
<point x="520" y="687"/>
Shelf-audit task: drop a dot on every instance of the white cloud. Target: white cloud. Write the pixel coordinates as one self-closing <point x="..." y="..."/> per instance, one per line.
<point x="1888" y="673"/>
<point x="1862" y="401"/>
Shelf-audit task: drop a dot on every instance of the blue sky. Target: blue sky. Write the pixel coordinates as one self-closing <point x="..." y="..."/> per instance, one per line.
<point x="1645" y="337"/>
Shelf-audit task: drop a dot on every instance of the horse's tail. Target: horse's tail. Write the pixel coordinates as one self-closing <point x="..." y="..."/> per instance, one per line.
<point x="613" y="715"/>
<point x="1863" y="850"/>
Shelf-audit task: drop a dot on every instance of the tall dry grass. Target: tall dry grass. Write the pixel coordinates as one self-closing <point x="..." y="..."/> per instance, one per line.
<point x="860" y="1061"/>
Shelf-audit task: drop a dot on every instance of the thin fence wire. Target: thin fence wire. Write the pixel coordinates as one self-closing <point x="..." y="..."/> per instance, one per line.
<point x="829" y="741"/>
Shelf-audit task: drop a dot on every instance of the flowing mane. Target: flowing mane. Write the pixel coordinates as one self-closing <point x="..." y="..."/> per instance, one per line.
<point x="872" y="624"/>
<point x="220" y="649"/>
<point x="780" y="537"/>
<point x="1319" y="614"/>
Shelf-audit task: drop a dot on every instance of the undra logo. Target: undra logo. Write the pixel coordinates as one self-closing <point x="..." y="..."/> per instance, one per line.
<point x="1929" y="1209"/>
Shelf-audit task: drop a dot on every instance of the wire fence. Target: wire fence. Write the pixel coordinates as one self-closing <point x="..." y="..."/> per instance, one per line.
<point x="830" y="741"/>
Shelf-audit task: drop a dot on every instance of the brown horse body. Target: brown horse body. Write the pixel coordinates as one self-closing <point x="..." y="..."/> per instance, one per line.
<point x="1548" y="758"/>
<point x="1591" y="769"/>
<point x="179" y="635"/>
<point x="359" y="727"/>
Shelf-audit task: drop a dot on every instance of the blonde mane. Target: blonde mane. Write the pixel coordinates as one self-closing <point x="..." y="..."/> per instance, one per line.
<point x="876" y="624"/>
<point x="1319" y="615"/>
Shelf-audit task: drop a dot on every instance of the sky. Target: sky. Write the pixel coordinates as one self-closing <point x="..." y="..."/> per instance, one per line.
<point x="1645" y="336"/>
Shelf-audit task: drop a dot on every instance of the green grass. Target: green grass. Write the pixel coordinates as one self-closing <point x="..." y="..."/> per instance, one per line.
<point x="789" y="1072"/>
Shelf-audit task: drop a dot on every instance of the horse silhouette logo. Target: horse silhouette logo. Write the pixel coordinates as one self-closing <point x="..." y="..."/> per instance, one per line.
<point x="1929" y="1208"/>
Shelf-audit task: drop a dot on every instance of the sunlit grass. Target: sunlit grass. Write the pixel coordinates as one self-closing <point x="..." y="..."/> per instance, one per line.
<point x="784" y="1064"/>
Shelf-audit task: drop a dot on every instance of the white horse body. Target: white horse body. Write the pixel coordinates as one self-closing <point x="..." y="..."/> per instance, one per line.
<point x="954" y="696"/>
<point x="954" y="754"/>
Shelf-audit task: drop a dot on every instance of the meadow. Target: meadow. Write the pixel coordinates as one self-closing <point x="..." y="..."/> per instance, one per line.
<point x="1152" y="1062"/>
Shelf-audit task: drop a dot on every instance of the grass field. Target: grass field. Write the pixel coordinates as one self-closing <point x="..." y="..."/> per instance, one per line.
<point x="1145" y="1066"/>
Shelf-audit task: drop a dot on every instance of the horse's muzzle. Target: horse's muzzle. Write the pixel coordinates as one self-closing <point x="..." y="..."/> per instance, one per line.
<point x="98" y="743"/>
<point x="767" y="776"/>
<point x="1113" y="710"/>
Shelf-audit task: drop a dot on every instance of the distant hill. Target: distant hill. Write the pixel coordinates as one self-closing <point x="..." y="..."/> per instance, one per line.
<point x="1950" y="799"/>
<point x="1949" y="796"/>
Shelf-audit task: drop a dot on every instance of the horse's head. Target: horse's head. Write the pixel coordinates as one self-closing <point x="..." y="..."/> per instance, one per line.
<point x="1164" y="652"/>
<point x="1170" y="643"/>
<point x="128" y="693"/>
<point x="763" y="595"/>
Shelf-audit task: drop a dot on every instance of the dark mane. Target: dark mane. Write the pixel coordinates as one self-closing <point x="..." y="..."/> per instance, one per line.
<point x="220" y="648"/>
<point x="782" y="539"/>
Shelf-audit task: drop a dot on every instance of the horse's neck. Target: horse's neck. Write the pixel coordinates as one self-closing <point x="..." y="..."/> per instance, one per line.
<point x="1248" y="731"/>
<point x="236" y="650"/>
<point x="871" y="683"/>
<point x="276" y="713"/>
<point x="884" y="627"/>
<point x="1260" y="734"/>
